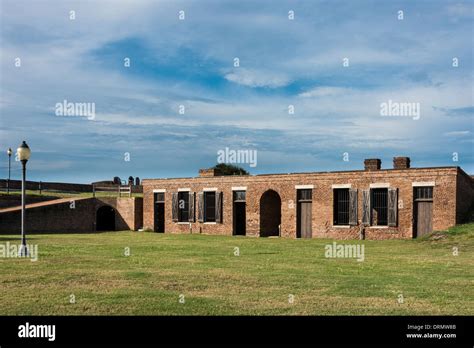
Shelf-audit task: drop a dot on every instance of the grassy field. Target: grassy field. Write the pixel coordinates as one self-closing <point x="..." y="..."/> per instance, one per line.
<point x="214" y="281"/>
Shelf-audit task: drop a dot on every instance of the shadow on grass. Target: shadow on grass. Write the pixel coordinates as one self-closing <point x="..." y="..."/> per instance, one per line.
<point x="458" y="230"/>
<point x="13" y="237"/>
<point x="28" y="234"/>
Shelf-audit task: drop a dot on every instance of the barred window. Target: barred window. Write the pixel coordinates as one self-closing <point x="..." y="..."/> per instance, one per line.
<point x="239" y="196"/>
<point x="159" y="197"/>
<point x="379" y="202"/>
<point x="305" y="195"/>
<point x="422" y="193"/>
<point x="341" y="207"/>
<point x="183" y="206"/>
<point x="209" y="206"/>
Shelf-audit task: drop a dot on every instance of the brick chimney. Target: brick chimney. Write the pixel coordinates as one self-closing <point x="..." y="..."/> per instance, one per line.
<point x="209" y="172"/>
<point x="401" y="162"/>
<point x="372" y="164"/>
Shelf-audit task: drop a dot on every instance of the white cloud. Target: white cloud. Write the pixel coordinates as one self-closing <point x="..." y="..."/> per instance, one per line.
<point x="461" y="10"/>
<point x="457" y="133"/>
<point x="324" y="92"/>
<point x="257" y="78"/>
<point x="342" y="113"/>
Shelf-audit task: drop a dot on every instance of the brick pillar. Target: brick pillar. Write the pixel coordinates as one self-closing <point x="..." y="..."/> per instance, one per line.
<point x="372" y="164"/>
<point x="203" y="173"/>
<point x="401" y="162"/>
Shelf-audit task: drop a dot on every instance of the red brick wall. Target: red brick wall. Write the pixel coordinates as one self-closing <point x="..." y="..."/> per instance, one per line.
<point x="130" y="213"/>
<point x="465" y="196"/>
<point x="14" y="200"/>
<point x="57" y="186"/>
<point x="61" y="218"/>
<point x="52" y="218"/>
<point x="444" y="206"/>
<point x="60" y="186"/>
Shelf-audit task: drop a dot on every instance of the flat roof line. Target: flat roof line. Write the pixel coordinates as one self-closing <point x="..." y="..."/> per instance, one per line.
<point x="302" y="173"/>
<point x="361" y="170"/>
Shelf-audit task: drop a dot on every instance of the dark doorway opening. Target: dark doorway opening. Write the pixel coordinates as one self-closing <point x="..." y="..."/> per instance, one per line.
<point x="304" y="214"/>
<point x="105" y="218"/>
<point x="270" y="214"/>
<point x="159" y="212"/>
<point x="239" y="217"/>
<point x="160" y="217"/>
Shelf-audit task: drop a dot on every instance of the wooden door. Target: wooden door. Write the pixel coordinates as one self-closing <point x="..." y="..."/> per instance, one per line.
<point x="305" y="220"/>
<point x="424" y="218"/>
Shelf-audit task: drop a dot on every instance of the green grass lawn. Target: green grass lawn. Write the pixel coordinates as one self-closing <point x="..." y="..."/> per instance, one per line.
<point x="214" y="281"/>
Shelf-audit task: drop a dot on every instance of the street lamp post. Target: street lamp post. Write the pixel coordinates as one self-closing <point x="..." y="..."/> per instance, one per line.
<point x="9" y="152"/>
<point x="23" y="153"/>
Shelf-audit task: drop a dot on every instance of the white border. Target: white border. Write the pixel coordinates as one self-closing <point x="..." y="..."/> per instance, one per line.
<point x="341" y="186"/>
<point x="380" y="185"/>
<point x="304" y="187"/>
<point x="209" y="189"/>
<point x="159" y="190"/>
<point x="239" y="188"/>
<point x="423" y="183"/>
<point x="184" y="190"/>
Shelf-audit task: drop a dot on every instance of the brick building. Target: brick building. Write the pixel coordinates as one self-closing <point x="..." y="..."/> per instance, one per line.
<point x="402" y="202"/>
<point x="75" y="215"/>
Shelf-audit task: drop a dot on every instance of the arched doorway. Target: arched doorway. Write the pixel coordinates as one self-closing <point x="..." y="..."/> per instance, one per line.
<point x="270" y="214"/>
<point x="105" y="219"/>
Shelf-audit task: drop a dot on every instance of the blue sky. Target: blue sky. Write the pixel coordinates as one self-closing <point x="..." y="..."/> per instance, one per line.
<point x="190" y="62"/>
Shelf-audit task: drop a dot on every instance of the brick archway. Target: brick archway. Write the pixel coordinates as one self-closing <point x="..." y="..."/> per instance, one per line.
<point x="270" y="213"/>
<point x="105" y="218"/>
